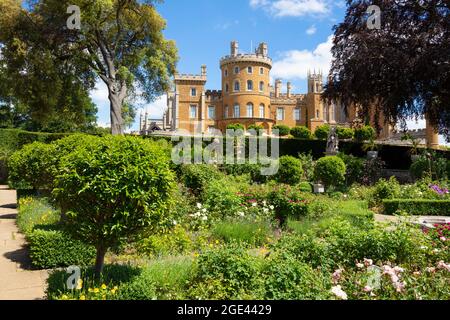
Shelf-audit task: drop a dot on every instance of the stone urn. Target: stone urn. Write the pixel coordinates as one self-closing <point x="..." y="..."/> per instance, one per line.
<point x="319" y="188"/>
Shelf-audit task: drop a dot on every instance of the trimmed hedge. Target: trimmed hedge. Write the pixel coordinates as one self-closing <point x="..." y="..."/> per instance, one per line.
<point x="420" y="207"/>
<point x="54" y="248"/>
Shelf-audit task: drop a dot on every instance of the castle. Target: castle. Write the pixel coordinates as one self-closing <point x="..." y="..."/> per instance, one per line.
<point x="247" y="97"/>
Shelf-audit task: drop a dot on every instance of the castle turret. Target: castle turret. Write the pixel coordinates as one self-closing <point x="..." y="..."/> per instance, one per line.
<point x="234" y="48"/>
<point x="278" y="85"/>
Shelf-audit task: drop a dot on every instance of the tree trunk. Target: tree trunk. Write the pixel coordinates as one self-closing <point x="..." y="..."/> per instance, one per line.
<point x="99" y="262"/>
<point x="117" y="126"/>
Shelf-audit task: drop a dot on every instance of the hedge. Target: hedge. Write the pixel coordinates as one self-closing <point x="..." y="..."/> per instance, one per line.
<point x="420" y="207"/>
<point x="54" y="248"/>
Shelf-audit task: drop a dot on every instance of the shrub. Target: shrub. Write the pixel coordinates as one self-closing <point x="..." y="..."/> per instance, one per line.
<point x="305" y="187"/>
<point x="288" y="203"/>
<point x="345" y="133"/>
<point x="55" y="248"/>
<point x="290" y="170"/>
<point x="283" y="130"/>
<point x="228" y="273"/>
<point x="173" y="242"/>
<point x="114" y="188"/>
<point x="308" y="165"/>
<point x="421" y="207"/>
<point x="253" y="170"/>
<point x="34" y="212"/>
<point x="241" y="231"/>
<point x="236" y="126"/>
<point x="384" y="189"/>
<point x="365" y="133"/>
<point x="420" y="168"/>
<point x="301" y="132"/>
<point x="330" y="170"/>
<point x="354" y="168"/>
<point x="32" y="167"/>
<point x="322" y="132"/>
<point x="221" y="197"/>
<point x="197" y="176"/>
<point x="255" y="127"/>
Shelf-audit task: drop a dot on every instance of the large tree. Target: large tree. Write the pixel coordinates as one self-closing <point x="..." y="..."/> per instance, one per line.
<point x="402" y="68"/>
<point x="120" y="41"/>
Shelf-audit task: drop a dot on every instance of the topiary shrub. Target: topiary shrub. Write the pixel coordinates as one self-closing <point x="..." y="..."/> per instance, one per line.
<point x="235" y="126"/>
<point x="197" y="176"/>
<point x="365" y="133"/>
<point x="283" y="130"/>
<point x="420" y="207"/>
<point x="355" y="168"/>
<point x="322" y="132"/>
<point x="305" y="187"/>
<point x="330" y="170"/>
<point x="290" y="170"/>
<point x="345" y="133"/>
<point x="301" y="132"/>
<point x="113" y="189"/>
<point x="255" y="127"/>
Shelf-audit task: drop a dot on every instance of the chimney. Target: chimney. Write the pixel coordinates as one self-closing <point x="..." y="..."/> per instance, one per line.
<point x="278" y="84"/>
<point x="203" y="70"/>
<point x="289" y="88"/>
<point x="262" y="49"/>
<point x="234" y="48"/>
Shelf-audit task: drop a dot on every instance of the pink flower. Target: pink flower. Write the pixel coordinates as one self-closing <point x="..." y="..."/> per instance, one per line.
<point x="360" y="265"/>
<point x="443" y="239"/>
<point x="443" y="265"/>
<point x="337" y="275"/>
<point x="367" y="289"/>
<point x="398" y="269"/>
<point x="338" y="292"/>
<point x="430" y="269"/>
<point x="399" y="286"/>
<point x="417" y="273"/>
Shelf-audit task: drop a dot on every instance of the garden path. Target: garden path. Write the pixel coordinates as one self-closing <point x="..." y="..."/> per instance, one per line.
<point x="17" y="280"/>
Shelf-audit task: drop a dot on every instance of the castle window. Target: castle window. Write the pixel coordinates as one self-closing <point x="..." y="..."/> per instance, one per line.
<point x="227" y="87"/>
<point x="317" y="114"/>
<point x="249" y="85"/>
<point x="237" y="86"/>
<point x="211" y="112"/>
<point x="226" y="72"/>
<point x="261" y="86"/>
<point x="297" y="114"/>
<point x="280" y="113"/>
<point x="236" y="70"/>
<point x="193" y="92"/>
<point x="261" y="111"/>
<point x="225" y="112"/>
<point x="237" y="111"/>
<point x="261" y="70"/>
<point x="249" y="70"/>
<point x="193" y="111"/>
<point x="249" y="110"/>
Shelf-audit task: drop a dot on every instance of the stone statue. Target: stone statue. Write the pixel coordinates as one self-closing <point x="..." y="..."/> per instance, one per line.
<point x="332" y="142"/>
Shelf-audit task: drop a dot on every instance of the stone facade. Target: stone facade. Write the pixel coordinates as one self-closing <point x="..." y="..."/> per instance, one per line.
<point x="247" y="97"/>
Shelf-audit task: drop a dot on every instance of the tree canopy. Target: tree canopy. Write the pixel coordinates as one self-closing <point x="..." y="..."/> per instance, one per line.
<point x="402" y="69"/>
<point x="119" y="41"/>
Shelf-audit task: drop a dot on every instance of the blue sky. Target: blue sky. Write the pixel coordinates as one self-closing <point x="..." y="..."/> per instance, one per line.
<point x="298" y="33"/>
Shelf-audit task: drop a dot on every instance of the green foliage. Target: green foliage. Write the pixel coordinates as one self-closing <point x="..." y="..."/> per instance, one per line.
<point x="305" y="187"/>
<point x="221" y="196"/>
<point x="330" y="170"/>
<point x="345" y="133"/>
<point x="322" y="132"/>
<point x="420" y="207"/>
<point x="365" y="133"/>
<point x="228" y="273"/>
<point x="197" y="176"/>
<point x="283" y="130"/>
<point x="308" y="165"/>
<point x="114" y="188"/>
<point x="253" y="170"/>
<point x="55" y="248"/>
<point x="290" y="170"/>
<point x="384" y="189"/>
<point x="288" y="203"/>
<point x="173" y="242"/>
<point x="33" y="212"/>
<point x="301" y="132"/>
<point x="242" y="231"/>
<point x="236" y="126"/>
<point x="255" y="127"/>
<point x="433" y="166"/>
<point x="355" y="168"/>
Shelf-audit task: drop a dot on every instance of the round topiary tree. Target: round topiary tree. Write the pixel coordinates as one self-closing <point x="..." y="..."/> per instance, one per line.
<point x="301" y="132"/>
<point x="366" y="133"/>
<point x="283" y="130"/>
<point x="255" y="127"/>
<point x="235" y="126"/>
<point x="330" y="170"/>
<point x="290" y="170"/>
<point x="113" y="188"/>
<point x="322" y="132"/>
<point x="345" y="133"/>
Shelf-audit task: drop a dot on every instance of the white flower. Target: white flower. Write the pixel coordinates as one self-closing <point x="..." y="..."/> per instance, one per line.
<point x="338" y="292"/>
<point x="204" y="210"/>
<point x="241" y="214"/>
<point x="368" y="262"/>
<point x="360" y="265"/>
<point x="175" y="222"/>
<point x="443" y="265"/>
<point x="443" y="238"/>
<point x="271" y="207"/>
<point x="254" y="204"/>
<point x="265" y="210"/>
<point x="264" y="203"/>
<point x="204" y="218"/>
<point x="423" y="247"/>
<point x="367" y="289"/>
<point x="398" y="269"/>
<point x="199" y="205"/>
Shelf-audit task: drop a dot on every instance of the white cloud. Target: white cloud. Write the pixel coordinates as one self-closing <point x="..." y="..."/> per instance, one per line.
<point x="100" y="94"/>
<point x="226" y="25"/>
<point x="311" y="30"/>
<point x="156" y="109"/>
<point x="294" y="64"/>
<point x="293" y="8"/>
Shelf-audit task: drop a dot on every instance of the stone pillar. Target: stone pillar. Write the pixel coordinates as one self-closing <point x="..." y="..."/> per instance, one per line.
<point x="432" y="135"/>
<point x="289" y="89"/>
<point x="234" y="48"/>
<point x="278" y="84"/>
<point x="332" y="113"/>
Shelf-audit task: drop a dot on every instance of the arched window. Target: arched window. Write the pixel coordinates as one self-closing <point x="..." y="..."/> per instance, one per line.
<point x="261" y="111"/>
<point x="280" y="113"/>
<point x="250" y="110"/>
<point x="261" y="86"/>
<point x="261" y="70"/>
<point x="237" y="86"/>
<point x="249" y="70"/>
<point x="236" y="70"/>
<point x="227" y="88"/>
<point x="297" y="114"/>
<point x="237" y="111"/>
<point x="249" y="85"/>
<point x="225" y="112"/>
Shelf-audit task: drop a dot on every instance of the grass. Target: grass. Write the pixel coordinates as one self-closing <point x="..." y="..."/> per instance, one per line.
<point x="253" y="233"/>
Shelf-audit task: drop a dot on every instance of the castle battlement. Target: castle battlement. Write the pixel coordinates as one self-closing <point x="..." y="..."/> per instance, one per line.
<point x="190" y="77"/>
<point x="250" y="57"/>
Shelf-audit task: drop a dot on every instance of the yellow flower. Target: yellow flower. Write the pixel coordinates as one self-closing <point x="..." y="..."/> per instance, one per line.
<point x="113" y="291"/>
<point x="96" y="290"/>
<point x="103" y="286"/>
<point x="64" y="297"/>
<point x="79" y="284"/>
<point x="83" y="297"/>
<point x="217" y="241"/>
